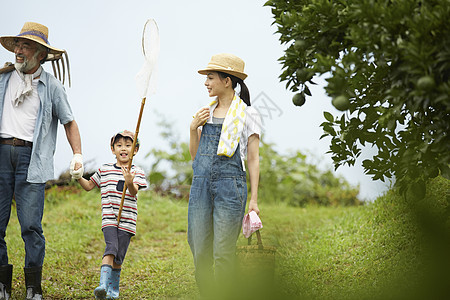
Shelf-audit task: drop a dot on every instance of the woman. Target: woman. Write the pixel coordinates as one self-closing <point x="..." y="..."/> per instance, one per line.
<point x="221" y="135"/>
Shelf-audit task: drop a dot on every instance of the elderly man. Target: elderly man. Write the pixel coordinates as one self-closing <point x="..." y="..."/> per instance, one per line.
<point x="31" y="103"/>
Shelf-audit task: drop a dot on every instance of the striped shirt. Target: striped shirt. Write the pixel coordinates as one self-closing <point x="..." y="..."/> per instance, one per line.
<point x="110" y="180"/>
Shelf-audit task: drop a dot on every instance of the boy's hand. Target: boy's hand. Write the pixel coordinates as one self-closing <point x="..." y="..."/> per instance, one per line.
<point x="76" y="166"/>
<point x="129" y="176"/>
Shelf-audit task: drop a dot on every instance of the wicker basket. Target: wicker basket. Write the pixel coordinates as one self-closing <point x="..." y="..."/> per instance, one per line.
<point x="256" y="261"/>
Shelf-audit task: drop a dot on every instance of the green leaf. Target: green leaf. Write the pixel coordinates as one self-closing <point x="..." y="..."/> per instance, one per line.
<point x="306" y="90"/>
<point x="329" y="117"/>
<point x="391" y="62"/>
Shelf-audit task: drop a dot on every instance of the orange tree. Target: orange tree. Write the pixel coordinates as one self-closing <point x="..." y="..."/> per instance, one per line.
<point x="387" y="67"/>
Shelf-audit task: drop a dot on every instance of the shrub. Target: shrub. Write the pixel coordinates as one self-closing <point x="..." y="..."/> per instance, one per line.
<point x="295" y="181"/>
<point x="288" y="179"/>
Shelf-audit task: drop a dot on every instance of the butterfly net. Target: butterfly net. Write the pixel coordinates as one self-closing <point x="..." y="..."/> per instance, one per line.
<point x="146" y="79"/>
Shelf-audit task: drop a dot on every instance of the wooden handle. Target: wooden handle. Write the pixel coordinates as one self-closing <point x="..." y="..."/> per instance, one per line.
<point x="258" y="235"/>
<point x="54" y="59"/>
<point x="7" y="69"/>
<point x="136" y="133"/>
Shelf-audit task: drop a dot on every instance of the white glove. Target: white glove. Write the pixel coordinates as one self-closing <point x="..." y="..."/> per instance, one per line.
<point x="76" y="174"/>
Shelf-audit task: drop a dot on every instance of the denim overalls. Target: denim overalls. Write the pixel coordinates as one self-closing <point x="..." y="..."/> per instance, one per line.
<point x="216" y="208"/>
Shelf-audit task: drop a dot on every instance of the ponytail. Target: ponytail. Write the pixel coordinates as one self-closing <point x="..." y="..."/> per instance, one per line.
<point x="244" y="93"/>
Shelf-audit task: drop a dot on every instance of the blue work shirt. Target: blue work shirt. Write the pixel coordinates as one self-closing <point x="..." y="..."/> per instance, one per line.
<point x="54" y="106"/>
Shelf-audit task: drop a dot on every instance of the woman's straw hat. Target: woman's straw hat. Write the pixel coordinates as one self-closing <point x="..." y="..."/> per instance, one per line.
<point x="226" y="63"/>
<point x="33" y="32"/>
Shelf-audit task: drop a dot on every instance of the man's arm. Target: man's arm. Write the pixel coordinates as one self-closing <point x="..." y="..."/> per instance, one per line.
<point x="73" y="136"/>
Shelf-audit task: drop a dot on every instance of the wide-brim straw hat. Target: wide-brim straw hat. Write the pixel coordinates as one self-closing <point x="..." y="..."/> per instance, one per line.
<point x="31" y="31"/>
<point x="226" y="63"/>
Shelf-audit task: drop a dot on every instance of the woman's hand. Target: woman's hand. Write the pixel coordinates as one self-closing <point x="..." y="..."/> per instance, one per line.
<point x="253" y="205"/>
<point x="200" y="118"/>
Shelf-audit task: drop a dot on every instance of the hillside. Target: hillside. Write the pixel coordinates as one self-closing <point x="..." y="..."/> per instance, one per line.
<point x="382" y="250"/>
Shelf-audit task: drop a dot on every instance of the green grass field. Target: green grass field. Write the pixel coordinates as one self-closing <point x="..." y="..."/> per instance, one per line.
<point x="390" y="249"/>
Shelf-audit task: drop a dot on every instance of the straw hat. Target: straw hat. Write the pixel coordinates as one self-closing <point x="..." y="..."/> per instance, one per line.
<point x="33" y="32"/>
<point x="226" y="63"/>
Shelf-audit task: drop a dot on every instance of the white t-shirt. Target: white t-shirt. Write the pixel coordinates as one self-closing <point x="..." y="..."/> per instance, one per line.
<point x="252" y="126"/>
<point x="19" y="121"/>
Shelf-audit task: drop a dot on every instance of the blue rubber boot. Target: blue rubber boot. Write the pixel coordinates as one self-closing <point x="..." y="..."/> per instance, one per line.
<point x="105" y="275"/>
<point x="113" y="289"/>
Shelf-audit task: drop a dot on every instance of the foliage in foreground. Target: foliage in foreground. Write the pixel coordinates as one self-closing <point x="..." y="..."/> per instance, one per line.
<point x="390" y="249"/>
<point x="287" y="178"/>
<point x="388" y="67"/>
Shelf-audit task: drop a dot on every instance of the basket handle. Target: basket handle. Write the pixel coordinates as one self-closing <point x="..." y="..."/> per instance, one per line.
<point x="258" y="235"/>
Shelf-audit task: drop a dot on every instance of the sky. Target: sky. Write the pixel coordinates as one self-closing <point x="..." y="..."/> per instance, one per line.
<point x="103" y="41"/>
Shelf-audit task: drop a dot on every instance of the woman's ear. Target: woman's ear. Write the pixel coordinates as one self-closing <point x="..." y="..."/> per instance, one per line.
<point x="228" y="82"/>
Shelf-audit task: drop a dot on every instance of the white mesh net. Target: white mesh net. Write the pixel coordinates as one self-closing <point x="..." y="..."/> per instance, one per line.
<point x="146" y="78"/>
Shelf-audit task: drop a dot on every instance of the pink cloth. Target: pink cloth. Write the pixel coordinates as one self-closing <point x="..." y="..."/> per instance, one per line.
<point x="250" y="224"/>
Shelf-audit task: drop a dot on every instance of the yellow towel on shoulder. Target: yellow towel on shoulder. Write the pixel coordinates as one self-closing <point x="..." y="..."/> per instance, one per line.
<point x="232" y="127"/>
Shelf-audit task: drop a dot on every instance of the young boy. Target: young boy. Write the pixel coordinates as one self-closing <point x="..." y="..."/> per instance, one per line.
<point x="110" y="178"/>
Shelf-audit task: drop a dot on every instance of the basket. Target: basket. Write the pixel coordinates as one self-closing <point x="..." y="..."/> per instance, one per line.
<point x="256" y="261"/>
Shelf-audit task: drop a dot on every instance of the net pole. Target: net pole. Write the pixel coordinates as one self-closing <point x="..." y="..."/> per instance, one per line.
<point x="130" y="163"/>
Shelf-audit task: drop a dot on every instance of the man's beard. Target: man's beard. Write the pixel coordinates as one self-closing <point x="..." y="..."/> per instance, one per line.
<point x="27" y="65"/>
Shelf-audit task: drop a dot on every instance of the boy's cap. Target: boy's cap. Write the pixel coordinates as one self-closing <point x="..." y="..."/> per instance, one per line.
<point x="124" y="133"/>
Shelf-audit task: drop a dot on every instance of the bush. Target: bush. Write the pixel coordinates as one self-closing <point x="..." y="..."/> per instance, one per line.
<point x="177" y="159"/>
<point x="288" y="179"/>
<point x="291" y="179"/>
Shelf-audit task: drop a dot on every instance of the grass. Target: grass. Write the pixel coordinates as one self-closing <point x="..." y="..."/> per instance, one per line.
<point x="158" y="261"/>
<point x="390" y="249"/>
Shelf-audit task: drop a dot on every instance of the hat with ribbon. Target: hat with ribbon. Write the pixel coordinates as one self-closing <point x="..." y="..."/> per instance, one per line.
<point x="124" y="133"/>
<point x="31" y="31"/>
<point x="226" y="63"/>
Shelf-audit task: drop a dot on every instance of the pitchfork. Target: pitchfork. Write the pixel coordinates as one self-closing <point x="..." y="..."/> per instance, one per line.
<point x="55" y="59"/>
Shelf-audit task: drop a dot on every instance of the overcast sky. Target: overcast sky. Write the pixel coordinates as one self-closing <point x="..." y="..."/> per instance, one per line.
<point x="103" y="40"/>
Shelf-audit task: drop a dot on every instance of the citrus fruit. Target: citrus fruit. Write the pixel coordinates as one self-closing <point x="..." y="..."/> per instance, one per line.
<point x="341" y="102"/>
<point x="298" y="99"/>
<point x="425" y="83"/>
<point x="299" y="44"/>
